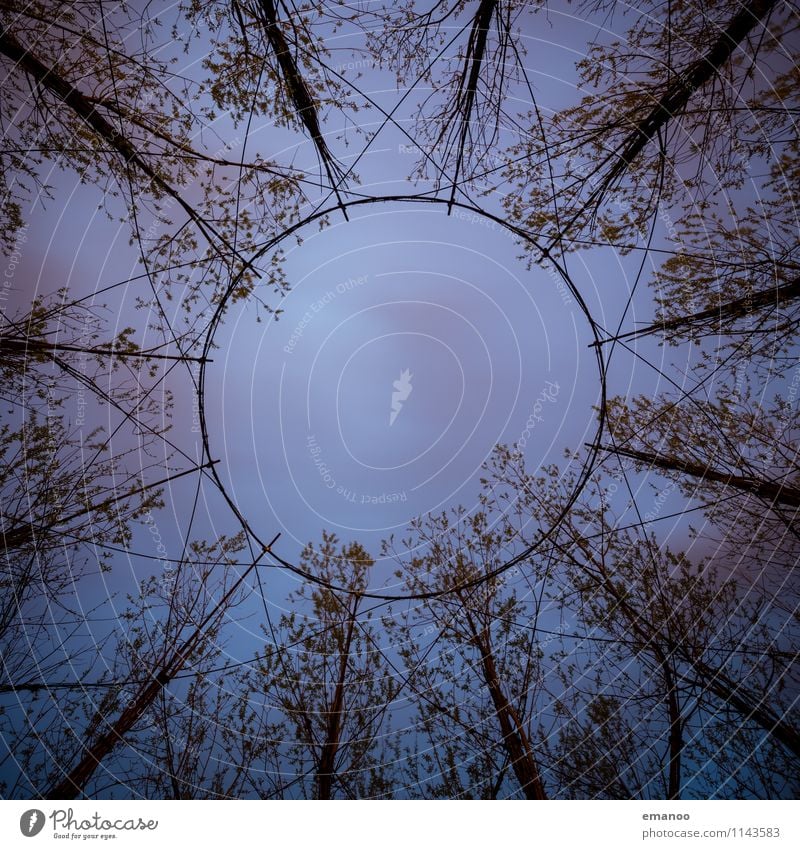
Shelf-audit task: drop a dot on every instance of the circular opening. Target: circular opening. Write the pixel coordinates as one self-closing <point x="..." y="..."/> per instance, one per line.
<point x="410" y="344"/>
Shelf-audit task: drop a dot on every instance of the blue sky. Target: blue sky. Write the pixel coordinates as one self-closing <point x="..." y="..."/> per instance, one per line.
<point x="304" y="411"/>
<point x="299" y="408"/>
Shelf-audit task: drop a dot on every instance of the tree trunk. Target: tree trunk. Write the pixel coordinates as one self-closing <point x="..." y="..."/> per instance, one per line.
<point x="714" y="317"/>
<point x="769" y="491"/>
<point x="76" y="780"/>
<point x="713" y="680"/>
<point x="684" y="85"/>
<point x="675" y="733"/>
<point x="325" y="771"/>
<point x="515" y="739"/>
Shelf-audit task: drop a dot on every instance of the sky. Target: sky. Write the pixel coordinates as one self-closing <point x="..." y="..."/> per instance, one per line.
<point x="410" y="343"/>
<point x="300" y="407"/>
